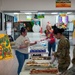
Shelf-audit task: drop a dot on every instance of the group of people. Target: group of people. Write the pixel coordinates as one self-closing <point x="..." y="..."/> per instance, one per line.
<point x="22" y="43"/>
<point x="63" y="47"/>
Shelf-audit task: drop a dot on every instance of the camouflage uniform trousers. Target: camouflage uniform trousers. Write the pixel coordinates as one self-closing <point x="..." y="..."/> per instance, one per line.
<point x="63" y="66"/>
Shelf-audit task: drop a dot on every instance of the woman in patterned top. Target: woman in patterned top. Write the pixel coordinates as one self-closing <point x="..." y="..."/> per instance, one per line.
<point x="62" y="50"/>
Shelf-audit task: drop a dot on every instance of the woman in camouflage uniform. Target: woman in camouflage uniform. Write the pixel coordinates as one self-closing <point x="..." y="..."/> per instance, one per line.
<point x="62" y="50"/>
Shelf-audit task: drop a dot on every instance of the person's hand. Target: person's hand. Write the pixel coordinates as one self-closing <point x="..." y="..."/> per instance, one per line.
<point x="42" y="40"/>
<point x="35" y="42"/>
<point x="51" y="62"/>
<point x="48" y="39"/>
<point x="53" y="54"/>
<point x="26" y="42"/>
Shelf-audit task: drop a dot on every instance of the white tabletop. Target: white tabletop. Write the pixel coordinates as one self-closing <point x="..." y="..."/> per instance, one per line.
<point x="27" y="72"/>
<point x="38" y="61"/>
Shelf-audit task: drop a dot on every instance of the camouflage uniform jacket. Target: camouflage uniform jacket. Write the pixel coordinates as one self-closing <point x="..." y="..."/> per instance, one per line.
<point x="63" y="53"/>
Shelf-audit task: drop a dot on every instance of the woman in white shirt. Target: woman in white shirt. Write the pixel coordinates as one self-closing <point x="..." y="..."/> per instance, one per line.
<point x="22" y="43"/>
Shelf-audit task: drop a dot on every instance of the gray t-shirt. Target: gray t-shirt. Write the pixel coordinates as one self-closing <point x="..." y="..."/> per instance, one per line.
<point x="21" y="41"/>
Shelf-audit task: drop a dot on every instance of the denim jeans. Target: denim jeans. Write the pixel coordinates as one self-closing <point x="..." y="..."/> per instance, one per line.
<point x="51" y="46"/>
<point x="21" y="58"/>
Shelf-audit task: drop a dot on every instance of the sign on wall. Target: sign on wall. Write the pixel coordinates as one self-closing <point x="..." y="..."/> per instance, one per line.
<point x="9" y="24"/>
<point x="63" y="3"/>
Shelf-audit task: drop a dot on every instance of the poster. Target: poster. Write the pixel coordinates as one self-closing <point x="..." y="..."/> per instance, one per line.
<point x="9" y="25"/>
<point x="63" y="3"/>
<point x="5" y="48"/>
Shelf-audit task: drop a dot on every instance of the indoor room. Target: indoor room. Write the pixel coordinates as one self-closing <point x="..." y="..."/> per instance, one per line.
<point x="31" y="20"/>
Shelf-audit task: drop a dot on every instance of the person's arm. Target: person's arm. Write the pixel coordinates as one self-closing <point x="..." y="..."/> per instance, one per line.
<point x="19" y="46"/>
<point x="63" y="49"/>
<point x="33" y="43"/>
<point x="22" y="46"/>
<point x="53" y="59"/>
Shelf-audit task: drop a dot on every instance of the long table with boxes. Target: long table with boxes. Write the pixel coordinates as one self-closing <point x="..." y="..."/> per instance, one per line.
<point x="39" y="65"/>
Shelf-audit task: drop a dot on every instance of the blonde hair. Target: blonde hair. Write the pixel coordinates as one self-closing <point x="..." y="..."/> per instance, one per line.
<point x="48" y="26"/>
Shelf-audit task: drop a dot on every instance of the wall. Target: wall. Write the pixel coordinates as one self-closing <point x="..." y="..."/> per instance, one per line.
<point x="71" y="17"/>
<point x="47" y="18"/>
<point x="52" y="19"/>
<point x="11" y="14"/>
<point x="0" y="4"/>
<point x="23" y="17"/>
<point x="15" y="5"/>
<point x="2" y="32"/>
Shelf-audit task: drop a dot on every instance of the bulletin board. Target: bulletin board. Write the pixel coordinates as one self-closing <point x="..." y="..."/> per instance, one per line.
<point x="5" y="48"/>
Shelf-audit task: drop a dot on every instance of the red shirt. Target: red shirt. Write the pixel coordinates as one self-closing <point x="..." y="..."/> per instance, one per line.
<point x="50" y="36"/>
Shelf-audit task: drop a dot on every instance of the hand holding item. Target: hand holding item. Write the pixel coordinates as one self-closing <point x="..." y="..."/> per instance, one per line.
<point x="53" y="59"/>
<point x="26" y="42"/>
<point x="53" y="54"/>
<point x="43" y="39"/>
<point x="35" y="42"/>
<point x="51" y="62"/>
<point x="48" y="39"/>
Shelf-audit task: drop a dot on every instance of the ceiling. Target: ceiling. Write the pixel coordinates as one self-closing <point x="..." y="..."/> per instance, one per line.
<point x="55" y="12"/>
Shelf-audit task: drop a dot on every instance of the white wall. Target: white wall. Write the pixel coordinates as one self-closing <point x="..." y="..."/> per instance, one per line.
<point x="2" y="32"/>
<point x="48" y="18"/>
<point x="71" y="17"/>
<point x="52" y="19"/>
<point x="33" y="5"/>
<point x="23" y="17"/>
<point x="11" y="14"/>
<point x="0" y="4"/>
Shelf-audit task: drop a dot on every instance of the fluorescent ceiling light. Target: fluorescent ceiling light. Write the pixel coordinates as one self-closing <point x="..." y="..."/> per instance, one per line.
<point x="16" y="13"/>
<point x="69" y="13"/>
<point x="41" y="13"/>
<point x="27" y="13"/>
<point x="54" y="13"/>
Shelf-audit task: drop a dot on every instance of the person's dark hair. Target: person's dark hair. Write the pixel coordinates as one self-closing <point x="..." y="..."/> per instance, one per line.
<point x="57" y="30"/>
<point x="10" y="38"/>
<point x="23" y="29"/>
